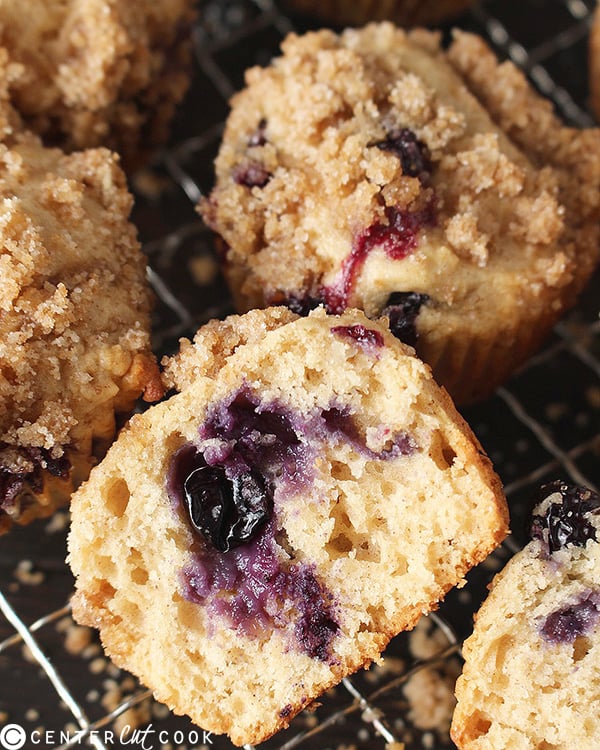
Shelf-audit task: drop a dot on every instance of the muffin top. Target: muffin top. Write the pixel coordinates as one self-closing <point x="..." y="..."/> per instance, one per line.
<point x="88" y="70"/>
<point x="372" y="162"/>
<point x="74" y="303"/>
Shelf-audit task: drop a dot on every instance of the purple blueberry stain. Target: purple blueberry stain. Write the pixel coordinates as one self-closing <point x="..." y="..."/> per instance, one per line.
<point x="561" y="515"/>
<point x="567" y="624"/>
<point x="341" y="423"/>
<point x="402" y="310"/>
<point x="369" y="340"/>
<point x="249" y="456"/>
<point x="254" y="590"/>
<point x="244" y="434"/>
<point x="286" y="711"/>
<point x="251" y="174"/>
<point x="413" y="154"/>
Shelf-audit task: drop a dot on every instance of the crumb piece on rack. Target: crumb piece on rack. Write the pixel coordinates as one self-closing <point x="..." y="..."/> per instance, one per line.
<point x="113" y="695"/>
<point x="150" y="185"/>
<point x="431" y="698"/>
<point x="426" y="640"/>
<point x="394" y="746"/>
<point x="390" y="666"/>
<point x="58" y="522"/>
<point x="160" y="711"/>
<point x="97" y="666"/>
<point x="132" y="718"/>
<point x="592" y="396"/>
<point x="556" y="410"/>
<point x="32" y="714"/>
<point x="25" y="574"/>
<point x="92" y="650"/>
<point x="77" y="638"/>
<point x="93" y="696"/>
<point x="204" y="269"/>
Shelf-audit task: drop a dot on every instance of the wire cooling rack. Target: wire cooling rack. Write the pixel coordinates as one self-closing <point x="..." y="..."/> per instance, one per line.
<point x="56" y="688"/>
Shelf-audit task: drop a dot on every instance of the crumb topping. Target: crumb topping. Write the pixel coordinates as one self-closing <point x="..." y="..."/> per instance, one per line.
<point x="74" y="326"/>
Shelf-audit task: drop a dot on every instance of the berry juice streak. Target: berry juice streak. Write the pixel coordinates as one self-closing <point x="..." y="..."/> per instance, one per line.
<point x="398" y="238"/>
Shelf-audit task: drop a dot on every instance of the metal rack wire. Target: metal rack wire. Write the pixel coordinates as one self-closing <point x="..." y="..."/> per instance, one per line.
<point x="542" y="425"/>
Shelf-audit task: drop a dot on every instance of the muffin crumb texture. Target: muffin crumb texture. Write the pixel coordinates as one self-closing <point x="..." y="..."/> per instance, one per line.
<point x="534" y="657"/>
<point x="308" y="493"/>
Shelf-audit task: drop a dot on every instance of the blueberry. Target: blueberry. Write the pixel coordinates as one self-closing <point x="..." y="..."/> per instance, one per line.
<point x="227" y="512"/>
<point x="367" y="338"/>
<point x="299" y="305"/>
<point x="567" y="624"/>
<point x="259" y="138"/>
<point x="12" y="482"/>
<point x="413" y="153"/>
<point x="563" y="521"/>
<point x="251" y="174"/>
<point x="402" y="310"/>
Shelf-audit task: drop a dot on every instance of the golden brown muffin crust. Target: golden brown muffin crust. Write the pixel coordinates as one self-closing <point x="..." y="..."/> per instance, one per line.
<point x="74" y="304"/>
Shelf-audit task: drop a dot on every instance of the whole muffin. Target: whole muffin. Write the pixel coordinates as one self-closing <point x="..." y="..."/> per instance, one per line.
<point x="74" y="320"/>
<point x="374" y="170"/>
<point x="532" y="665"/>
<point x="308" y="493"/>
<point x="402" y="12"/>
<point x="98" y="72"/>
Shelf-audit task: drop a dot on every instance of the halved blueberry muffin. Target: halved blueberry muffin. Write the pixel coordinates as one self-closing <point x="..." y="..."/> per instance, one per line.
<point x="375" y="170"/>
<point x="308" y="493"/>
<point x="532" y="665"/>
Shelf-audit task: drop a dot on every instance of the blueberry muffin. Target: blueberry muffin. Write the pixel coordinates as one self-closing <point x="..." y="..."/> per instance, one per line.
<point x="308" y="493"/>
<point x="74" y="320"/>
<point x="374" y="170"/>
<point x="594" y="72"/>
<point x="402" y="12"/>
<point x="532" y="665"/>
<point x="98" y="72"/>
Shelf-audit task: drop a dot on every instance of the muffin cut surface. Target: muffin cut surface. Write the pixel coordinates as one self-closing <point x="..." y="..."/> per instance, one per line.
<point x="309" y="493"/>
<point x="532" y="665"/>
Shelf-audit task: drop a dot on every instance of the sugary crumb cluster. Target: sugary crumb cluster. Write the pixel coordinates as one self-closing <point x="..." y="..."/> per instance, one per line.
<point x="87" y="73"/>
